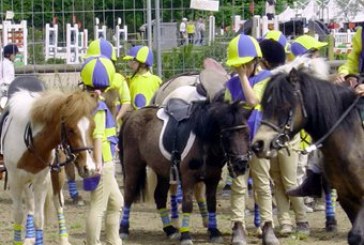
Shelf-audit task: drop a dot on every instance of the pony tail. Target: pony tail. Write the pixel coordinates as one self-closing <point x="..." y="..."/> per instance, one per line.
<point x="111" y="96"/>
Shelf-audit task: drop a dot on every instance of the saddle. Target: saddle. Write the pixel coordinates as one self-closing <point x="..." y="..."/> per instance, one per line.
<point x="29" y="83"/>
<point x="176" y="136"/>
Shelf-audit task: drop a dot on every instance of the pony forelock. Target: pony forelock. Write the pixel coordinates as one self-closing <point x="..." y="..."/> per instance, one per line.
<point x="318" y="67"/>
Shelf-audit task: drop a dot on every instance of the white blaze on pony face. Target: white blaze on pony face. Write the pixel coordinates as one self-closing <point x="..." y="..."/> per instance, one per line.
<point x="84" y="127"/>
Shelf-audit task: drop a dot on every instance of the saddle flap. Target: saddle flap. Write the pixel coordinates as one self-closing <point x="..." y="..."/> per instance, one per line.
<point x="178" y="109"/>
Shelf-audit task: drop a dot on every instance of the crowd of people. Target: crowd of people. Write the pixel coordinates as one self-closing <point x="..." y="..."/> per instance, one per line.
<point x="191" y="32"/>
<point x="251" y="62"/>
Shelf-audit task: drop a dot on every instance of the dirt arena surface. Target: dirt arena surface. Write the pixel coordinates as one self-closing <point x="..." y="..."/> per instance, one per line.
<point x="146" y="227"/>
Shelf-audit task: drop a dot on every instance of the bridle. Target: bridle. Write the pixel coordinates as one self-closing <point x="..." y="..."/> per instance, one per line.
<point x="64" y="146"/>
<point x="285" y="133"/>
<point x="231" y="157"/>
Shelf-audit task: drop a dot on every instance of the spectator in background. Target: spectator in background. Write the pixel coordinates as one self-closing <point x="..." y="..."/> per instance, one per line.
<point x="270" y="9"/>
<point x="191" y="31"/>
<point x="182" y="31"/>
<point x="7" y="69"/>
<point x="200" y="31"/>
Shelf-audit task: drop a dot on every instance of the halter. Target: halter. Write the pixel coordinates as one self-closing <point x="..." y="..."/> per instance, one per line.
<point x="231" y="157"/>
<point x="64" y="146"/>
<point x="284" y="134"/>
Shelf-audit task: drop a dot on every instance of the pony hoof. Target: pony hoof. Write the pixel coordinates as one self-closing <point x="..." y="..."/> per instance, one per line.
<point x="64" y="241"/>
<point x="174" y="236"/>
<point x="187" y="242"/>
<point x="171" y="232"/>
<point x="124" y="236"/>
<point x="186" y="238"/>
<point x="29" y="241"/>
<point x="215" y="236"/>
<point x="218" y="239"/>
<point x="124" y="231"/>
<point x="331" y="225"/>
<point x="78" y="201"/>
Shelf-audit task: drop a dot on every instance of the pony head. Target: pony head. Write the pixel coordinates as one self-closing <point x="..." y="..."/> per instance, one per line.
<point x="226" y="125"/>
<point x="77" y="127"/>
<point x="284" y="113"/>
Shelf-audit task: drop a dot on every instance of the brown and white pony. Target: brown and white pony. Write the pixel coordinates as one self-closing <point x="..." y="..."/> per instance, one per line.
<point x="38" y="124"/>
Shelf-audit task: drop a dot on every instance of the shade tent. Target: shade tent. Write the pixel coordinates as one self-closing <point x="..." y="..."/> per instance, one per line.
<point x="287" y="15"/>
<point x="313" y="10"/>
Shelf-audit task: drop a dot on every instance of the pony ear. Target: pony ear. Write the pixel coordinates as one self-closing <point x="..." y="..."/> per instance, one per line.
<point x="293" y="76"/>
<point x="239" y="105"/>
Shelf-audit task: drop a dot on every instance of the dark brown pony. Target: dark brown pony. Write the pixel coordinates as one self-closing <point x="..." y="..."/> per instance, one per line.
<point x="221" y="136"/>
<point x="329" y="113"/>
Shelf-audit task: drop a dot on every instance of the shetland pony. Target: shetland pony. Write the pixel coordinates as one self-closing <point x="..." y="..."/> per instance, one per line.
<point x="38" y="124"/>
<point x="221" y="136"/>
<point x="329" y="113"/>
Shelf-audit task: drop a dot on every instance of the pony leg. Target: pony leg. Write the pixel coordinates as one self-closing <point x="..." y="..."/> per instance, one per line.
<point x="40" y="194"/>
<point x="16" y="196"/>
<point x="356" y="234"/>
<point x="173" y="189"/>
<point x="200" y="195"/>
<point x="187" y="207"/>
<point x="30" y="229"/>
<point x="58" y="201"/>
<point x="72" y="185"/>
<point x="160" y="197"/>
<point x="214" y="233"/>
<point x="331" y="223"/>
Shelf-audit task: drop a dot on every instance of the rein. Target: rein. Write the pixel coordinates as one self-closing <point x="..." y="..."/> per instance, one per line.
<point x="318" y="143"/>
<point x="283" y="137"/>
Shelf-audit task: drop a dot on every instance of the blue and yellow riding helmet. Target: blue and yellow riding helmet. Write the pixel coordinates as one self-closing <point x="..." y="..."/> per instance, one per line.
<point x="305" y="43"/>
<point x="97" y="72"/>
<point x="141" y="54"/>
<point x="101" y="47"/>
<point x="241" y="50"/>
<point x="279" y="37"/>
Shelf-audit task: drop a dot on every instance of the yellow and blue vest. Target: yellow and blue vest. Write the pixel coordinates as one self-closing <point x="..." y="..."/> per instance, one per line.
<point x="105" y="129"/>
<point x="234" y="92"/>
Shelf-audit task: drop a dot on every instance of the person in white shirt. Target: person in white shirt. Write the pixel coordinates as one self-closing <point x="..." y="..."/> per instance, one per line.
<point x="182" y="31"/>
<point x="7" y="70"/>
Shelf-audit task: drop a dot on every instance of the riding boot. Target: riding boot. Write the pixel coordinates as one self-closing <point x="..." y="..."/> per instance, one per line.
<point x="268" y="236"/>
<point x="238" y="236"/>
<point x="311" y="186"/>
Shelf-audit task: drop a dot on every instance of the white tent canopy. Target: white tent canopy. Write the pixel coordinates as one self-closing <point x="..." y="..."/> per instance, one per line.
<point x="314" y="10"/>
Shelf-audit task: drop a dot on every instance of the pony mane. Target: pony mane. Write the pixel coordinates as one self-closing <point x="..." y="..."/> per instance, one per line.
<point x="71" y="107"/>
<point x="210" y="118"/>
<point x="324" y="102"/>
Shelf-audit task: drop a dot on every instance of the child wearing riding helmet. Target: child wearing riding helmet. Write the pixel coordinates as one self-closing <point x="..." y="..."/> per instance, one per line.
<point x="243" y="54"/>
<point x="143" y="84"/>
<point x="283" y="167"/>
<point x="119" y="84"/>
<point x="355" y="63"/>
<point x="306" y="45"/>
<point x="7" y="70"/>
<point x="97" y="74"/>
